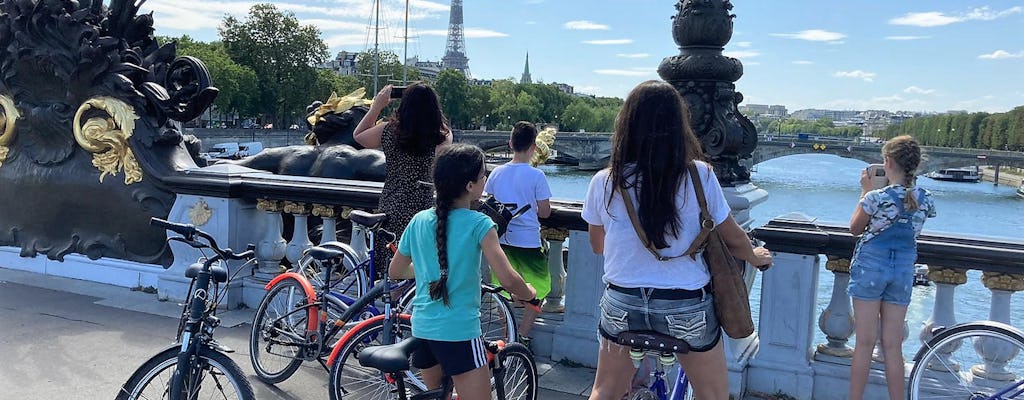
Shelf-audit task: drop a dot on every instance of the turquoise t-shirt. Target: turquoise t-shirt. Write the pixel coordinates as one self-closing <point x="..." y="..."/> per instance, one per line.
<point x="431" y="319"/>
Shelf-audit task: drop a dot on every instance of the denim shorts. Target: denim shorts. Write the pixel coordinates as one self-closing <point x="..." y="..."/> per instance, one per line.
<point x="881" y="274"/>
<point x="691" y="320"/>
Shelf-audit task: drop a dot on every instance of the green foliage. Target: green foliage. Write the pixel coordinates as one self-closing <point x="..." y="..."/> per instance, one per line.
<point x="1001" y="131"/>
<point x="389" y="70"/>
<point x="282" y="53"/>
<point x="453" y="89"/>
<point x="822" y="127"/>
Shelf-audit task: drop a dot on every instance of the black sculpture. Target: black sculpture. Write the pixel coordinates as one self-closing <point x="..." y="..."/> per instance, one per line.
<point x="706" y="79"/>
<point x="330" y="150"/>
<point x="88" y="92"/>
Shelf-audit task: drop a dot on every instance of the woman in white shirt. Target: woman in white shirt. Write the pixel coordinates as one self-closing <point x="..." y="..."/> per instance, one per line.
<point x="651" y="148"/>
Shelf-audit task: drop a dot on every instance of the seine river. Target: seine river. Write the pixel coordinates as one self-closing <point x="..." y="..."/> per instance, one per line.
<point x="826" y="187"/>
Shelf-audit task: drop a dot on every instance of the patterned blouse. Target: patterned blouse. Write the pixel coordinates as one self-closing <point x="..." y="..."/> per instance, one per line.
<point x="883" y="209"/>
<point x="403" y="196"/>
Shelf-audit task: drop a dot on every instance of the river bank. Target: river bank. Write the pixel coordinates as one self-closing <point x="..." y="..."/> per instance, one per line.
<point x="1007" y="176"/>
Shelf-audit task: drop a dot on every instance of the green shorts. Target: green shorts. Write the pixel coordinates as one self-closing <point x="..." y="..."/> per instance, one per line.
<point x="532" y="264"/>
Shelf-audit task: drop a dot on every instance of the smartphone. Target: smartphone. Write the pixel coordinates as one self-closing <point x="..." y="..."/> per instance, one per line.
<point x="876" y="172"/>
<point x="396" y="92"/>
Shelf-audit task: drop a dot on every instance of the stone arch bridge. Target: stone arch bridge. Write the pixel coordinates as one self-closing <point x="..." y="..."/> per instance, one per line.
<point x="592" y="150"/>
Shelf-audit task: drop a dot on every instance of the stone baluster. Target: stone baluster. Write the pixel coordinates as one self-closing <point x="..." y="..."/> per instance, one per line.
<point x="330" y="222"/>
<point x="553" y="302"/>
<point x="358" y="236"/>
<point x="271" y="249"/>
<point x="836" y="322"/>
<point x="998" y="353"/>
<point x="300" y="236"/>
<point x="944" y="312"/>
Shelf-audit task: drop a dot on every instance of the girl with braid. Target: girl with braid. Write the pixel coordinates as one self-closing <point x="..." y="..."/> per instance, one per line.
<point x="441" y="249"/>
<point x="882" y="269"/>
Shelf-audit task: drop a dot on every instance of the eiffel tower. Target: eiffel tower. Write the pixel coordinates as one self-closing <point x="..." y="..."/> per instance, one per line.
<point x="455" y="50"/>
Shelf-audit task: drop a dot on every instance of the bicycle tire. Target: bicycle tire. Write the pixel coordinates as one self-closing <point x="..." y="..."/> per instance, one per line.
<point x="644" y="394"/>
<point x="277" y="339"/>
<point x="519" y="373"/>
<point x="151" y="380"/>
<point x="496" y="319"/>
<point x="935" y="375"/>
<point x="350" y="380"/>
<point x="350" y="279"/>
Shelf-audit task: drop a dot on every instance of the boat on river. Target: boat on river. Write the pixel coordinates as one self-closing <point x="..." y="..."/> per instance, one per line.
<point x="955" y="175"/>
<point x="1020" y="190"/>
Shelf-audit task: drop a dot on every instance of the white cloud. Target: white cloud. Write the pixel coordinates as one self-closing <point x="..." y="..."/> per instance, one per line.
<point x="741" y="54"/>
<point x="468" y="33"/>
<point x="622" y="72"/>
<point x="893" y="102"/>
<point x="917" y="90"/>
<point x="814" y="35"/>
<point x="609" y="41"/>
<point x="1001" y="54"/>
<point x="584" y="25"/>
<point x="803" y="62"/>
<point x="856" y="74"/>
<point x="633" y="55"/>
<point x="334" y="25"/>
<point x="936" y="18"/>
<point x="907" y="37"/>
<point x="531" y="22"/>
<point x="742" y="44"/>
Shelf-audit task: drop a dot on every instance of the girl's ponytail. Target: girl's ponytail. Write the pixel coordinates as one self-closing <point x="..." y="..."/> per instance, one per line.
<point x="439" y="288"/>
<point x="910" y="199"/>
<point x="455" y="166"/>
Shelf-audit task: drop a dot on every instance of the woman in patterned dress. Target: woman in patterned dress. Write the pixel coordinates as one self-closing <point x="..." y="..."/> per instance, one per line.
<point x="408" y="139"/>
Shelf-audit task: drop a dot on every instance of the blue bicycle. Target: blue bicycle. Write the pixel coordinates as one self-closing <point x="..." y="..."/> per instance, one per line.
<point x="974" y="361"/>
<point x="663" y="349"/>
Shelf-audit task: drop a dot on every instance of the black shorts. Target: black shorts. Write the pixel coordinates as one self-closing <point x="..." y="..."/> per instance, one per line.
<point x="456" y="358"/>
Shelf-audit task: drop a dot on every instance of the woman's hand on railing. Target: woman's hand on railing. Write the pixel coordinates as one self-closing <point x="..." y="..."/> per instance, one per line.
<point x="762" y="258"/>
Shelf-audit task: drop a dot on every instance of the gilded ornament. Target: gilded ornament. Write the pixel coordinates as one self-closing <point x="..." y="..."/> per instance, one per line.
<point x="345" y="211"/>
<point x="838" y="265"/>
<point x="947" y="275"/>
<point x="338" y="105"/>
<point x="10" y="116"/>
<point x="324" y="211"/>
<point x="1003" y="281"/>
<point x="545" y="138"/>
<point x="556" y="234"/>
<point x="107" y="138"/>
<point x="268" y="205"/>
<point x="200" y="213"/>
<point x="292" y="207"/>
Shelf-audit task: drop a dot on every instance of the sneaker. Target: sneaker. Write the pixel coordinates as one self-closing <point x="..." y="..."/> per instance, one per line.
<point x="550" y="306"/>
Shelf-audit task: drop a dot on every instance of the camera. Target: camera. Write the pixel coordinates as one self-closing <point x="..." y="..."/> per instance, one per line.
<point x="876" y="172"/>
<point x="396" y="92"/>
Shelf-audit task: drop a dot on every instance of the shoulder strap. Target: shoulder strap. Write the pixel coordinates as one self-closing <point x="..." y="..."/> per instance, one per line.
<point x="707" y="224"/>
<point x="636" y="224"/>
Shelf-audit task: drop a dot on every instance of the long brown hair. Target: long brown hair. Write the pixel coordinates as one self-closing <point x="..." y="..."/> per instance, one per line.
<point x="652" y="132"/>
<point x="906" y="154"/>
<point x="419" y="120"/>
<point x="454" y="167"/>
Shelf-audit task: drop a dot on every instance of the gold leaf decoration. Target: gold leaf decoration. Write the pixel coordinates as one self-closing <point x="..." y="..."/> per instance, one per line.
<point x="107" y="138"/>
<point x="200" y="213"/>
<point x="545" y="138"/>
<point x="7" y="126"/>
<point x="338" y="105"/>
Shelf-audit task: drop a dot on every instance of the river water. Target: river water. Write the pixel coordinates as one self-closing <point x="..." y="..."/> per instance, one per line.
<point x="826" y="187"/>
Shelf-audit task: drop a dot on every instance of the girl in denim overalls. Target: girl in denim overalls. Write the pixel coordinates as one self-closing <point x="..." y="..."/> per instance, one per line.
<point x="882" y="270"/>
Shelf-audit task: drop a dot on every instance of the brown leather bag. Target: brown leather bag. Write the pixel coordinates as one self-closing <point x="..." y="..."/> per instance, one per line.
<point x="732" y="301"/>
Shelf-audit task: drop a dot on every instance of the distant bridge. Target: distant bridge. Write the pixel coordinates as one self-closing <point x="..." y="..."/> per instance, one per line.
<point x="592" y="150"/>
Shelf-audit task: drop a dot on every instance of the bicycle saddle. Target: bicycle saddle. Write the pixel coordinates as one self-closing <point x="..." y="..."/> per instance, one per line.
<point x="219" y="273"/>
<point x="650" y="340"/>
<point x="390" y="358"/>
<point x="366" y="219"/>
<point x="323" y="253"/>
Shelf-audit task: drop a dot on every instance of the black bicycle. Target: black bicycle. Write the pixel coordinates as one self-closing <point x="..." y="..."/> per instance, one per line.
<point x="197" y="366"/>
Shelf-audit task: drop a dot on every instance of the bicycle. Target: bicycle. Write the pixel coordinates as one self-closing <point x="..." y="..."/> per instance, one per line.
<point x="645" y="344"/>
<point x="298" y="321"/>
<point x="513" y="370"/>
<point x="196" y="363"/>
<point x="977" y="360"/>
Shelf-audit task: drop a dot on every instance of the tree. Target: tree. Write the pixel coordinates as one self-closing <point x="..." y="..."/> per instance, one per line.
<point x="453" y="89"/>
<point x="237" y="83"/>
<point x="389" y="70"/>
<point x="282" y="53"/>
<point x="330" y="82"/>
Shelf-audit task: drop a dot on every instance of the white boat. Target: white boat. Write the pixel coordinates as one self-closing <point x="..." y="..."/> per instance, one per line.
<point x="1020" y="190"/>
<point x="955" y="175"/>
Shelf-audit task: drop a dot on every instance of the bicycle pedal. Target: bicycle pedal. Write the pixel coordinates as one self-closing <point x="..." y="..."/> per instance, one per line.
<point x="219" y="347"/>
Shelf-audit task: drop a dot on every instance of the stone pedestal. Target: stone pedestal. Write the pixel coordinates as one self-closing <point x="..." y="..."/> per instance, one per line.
<point x="576" y="339"/>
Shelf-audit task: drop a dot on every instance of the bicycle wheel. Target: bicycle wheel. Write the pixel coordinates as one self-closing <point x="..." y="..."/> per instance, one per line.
<point x="496" y="319"/>
<point x="519" y="374"/>
<point x="278" y="341"/>
<point x="349" y="278"/>
<point x="970" y="361"/>
<point x="349" y="380"/>
<point x="643" y="394"/>
<point x="221" y="378"/>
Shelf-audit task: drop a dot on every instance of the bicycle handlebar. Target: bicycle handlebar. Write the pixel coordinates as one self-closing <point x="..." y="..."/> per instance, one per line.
<point x="189" y="232"/>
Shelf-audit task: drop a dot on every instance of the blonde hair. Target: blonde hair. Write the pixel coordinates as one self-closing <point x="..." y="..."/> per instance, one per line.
<point x="906" y="154"/>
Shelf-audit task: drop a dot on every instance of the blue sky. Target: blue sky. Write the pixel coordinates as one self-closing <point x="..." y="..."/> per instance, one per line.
<point x="839" y="54"/>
